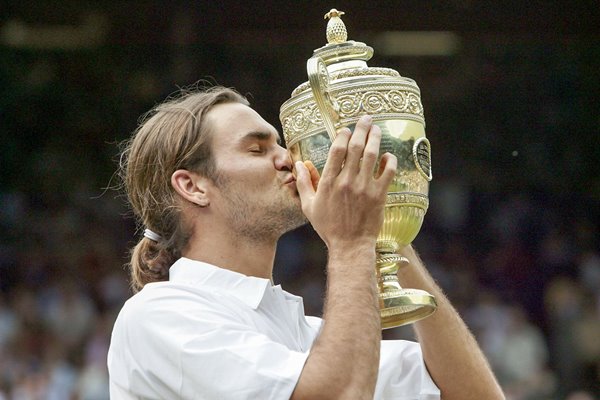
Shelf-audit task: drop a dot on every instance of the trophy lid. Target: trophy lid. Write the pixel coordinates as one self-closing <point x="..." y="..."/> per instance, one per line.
<point x="338" y="47"/>
<point x="341" y="87"/>
<point x="344" y="58"/>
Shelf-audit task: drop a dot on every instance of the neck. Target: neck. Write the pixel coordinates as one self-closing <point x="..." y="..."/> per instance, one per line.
<point x="230" y="251"/>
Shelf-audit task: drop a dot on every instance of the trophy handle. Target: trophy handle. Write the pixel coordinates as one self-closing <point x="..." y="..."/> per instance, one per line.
<point x="318" y="77"/>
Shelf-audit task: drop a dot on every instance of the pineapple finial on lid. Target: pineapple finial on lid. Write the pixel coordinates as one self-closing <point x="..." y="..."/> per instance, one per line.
<point x="336" y="30"/>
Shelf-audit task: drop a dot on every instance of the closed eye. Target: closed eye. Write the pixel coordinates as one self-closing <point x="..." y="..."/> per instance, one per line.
<point x="257" y="150"/>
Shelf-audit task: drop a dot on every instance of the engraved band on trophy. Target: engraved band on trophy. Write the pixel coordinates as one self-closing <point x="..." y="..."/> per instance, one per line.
<point x="341" y="87"/>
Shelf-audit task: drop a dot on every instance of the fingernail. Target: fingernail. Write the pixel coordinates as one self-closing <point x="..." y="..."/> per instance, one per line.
<point x="367" y="118"/>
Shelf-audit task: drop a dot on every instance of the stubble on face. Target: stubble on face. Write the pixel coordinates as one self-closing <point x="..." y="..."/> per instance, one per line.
<point x="260" y="221"/>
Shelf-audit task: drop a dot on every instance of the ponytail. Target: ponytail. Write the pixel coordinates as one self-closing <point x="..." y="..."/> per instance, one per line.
<point x="149" y="263"/>
<point x="173" y="136"/>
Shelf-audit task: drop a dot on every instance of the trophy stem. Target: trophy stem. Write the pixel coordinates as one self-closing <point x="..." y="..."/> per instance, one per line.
<point x="399" y="306"/>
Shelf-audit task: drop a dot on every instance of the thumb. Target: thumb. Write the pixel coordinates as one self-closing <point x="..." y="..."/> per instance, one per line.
<point x="315" y="177"/>
<point x="303" y="182"/>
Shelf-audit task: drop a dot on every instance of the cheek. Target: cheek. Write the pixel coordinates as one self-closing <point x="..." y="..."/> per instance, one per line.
<point x="260" y="173"/>
<point x="251" y="175"/>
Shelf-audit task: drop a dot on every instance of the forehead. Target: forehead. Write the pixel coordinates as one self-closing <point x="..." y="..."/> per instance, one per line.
<point x="232" y="122"/>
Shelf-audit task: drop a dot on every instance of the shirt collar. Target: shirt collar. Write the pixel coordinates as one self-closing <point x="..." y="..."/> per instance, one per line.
<point x="248" y="289"/>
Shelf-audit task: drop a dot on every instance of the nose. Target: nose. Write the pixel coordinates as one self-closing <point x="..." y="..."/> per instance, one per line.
<point x="283" y="161"/>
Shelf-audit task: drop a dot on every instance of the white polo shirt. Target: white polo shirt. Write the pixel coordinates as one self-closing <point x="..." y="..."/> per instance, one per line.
<point x="210" y="333"/>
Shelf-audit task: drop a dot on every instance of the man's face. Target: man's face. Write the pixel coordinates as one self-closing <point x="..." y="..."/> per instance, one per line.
<point x="256" y="192"/>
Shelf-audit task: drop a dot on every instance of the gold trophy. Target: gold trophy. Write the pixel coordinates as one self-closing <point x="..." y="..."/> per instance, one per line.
<point x="341" y="88"/>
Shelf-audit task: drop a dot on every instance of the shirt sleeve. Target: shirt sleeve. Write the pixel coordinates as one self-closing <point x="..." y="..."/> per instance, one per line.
<point x="402" y="373"/>
<point x="199" y="351"/>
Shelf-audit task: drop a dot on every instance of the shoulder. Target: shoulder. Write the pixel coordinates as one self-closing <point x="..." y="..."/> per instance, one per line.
<point x="179" y="342"/>
<point x="165" y="306"/>
<point x="154" y="327"/>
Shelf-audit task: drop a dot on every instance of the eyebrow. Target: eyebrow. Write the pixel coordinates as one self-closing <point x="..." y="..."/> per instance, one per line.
<point x="260" y="135"/>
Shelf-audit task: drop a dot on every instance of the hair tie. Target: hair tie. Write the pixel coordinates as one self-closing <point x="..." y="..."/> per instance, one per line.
<point x="152" y="235"/>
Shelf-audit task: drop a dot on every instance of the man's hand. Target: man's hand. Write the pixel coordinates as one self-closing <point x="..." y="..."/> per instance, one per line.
<point x="345" y="204"/>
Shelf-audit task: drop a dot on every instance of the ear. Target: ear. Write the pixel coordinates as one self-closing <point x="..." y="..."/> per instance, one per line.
<point x="191" y="186"/>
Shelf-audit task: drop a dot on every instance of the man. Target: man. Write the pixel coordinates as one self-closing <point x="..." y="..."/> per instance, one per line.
<point x="214" y="189"/>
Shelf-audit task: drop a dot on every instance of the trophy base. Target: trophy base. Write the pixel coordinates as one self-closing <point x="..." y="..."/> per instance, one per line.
<point x="405" y="306"/>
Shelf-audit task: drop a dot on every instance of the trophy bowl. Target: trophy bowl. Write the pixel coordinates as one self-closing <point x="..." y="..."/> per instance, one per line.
<point x="340" y="88"/>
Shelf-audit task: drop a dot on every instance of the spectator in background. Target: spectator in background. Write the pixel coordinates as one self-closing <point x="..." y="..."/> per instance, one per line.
<point x="564" y="309"/>
<point x="522" y="359"/>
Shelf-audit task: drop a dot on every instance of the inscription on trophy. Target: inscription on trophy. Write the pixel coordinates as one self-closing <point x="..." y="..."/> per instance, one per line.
<point x="422" y="157"/>
<point x="316" y="148"/>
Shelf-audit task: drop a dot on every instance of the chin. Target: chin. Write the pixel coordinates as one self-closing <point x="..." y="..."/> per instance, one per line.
<point x="296" y="223"/>
<point x="294" y="215"/>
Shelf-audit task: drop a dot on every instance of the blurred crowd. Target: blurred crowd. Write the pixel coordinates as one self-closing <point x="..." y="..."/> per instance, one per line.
<point x="62" y="285"/>
<point x="512" y="233"/>
<point x="525" y="278"/>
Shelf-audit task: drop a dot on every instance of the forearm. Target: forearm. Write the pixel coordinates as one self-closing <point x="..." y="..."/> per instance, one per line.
<point x="344" y="360"/>
<point x="452" y="355"/>
<point x="345" y="206"/>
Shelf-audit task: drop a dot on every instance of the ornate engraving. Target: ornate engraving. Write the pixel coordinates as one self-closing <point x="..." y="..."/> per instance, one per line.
<point x="349" y="104"/>
<point x="323" y="75"/>
<point x="377" y="102"/>
<point x="298" y="122"/>
<point x="383" y="101"/>
<point x="414" y="104"/>
<point x="398" y="100"/>
<point x="302" y="120"/>
<point x="303" y="87"/>
<point x="351" y="73"/>
<point x="383" y="258"/>
<point x="405" y="199"/>
<point x="390" y="295"/>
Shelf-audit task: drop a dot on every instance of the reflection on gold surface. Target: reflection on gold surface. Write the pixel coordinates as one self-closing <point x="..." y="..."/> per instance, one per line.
<point x="340" y="90"/>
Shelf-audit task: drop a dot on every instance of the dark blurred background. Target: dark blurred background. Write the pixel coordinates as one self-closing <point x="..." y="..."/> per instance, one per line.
<point x="510" y="91"/>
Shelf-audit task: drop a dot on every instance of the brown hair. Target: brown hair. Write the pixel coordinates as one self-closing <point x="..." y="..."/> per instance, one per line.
<point x="172" y="136"/>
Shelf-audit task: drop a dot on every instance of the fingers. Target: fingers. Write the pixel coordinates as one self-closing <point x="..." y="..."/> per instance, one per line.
<point x="371" y="152"/>
<point x="337" y="155"/>
<point x="387" y="169"/>
<point x="304" y="184"/>
<point x="356" y="146"/>
<point x="314" y="173"/>
<point x="355" y="155"/>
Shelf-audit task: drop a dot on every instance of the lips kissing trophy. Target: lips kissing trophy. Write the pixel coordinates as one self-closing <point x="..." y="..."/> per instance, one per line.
<point x="341" y="87"/>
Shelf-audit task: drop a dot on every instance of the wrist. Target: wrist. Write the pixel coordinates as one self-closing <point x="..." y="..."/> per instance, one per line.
<point x="351" y="248"/>
<point x="415" y="274"/>
<point x="352" y="257"/>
